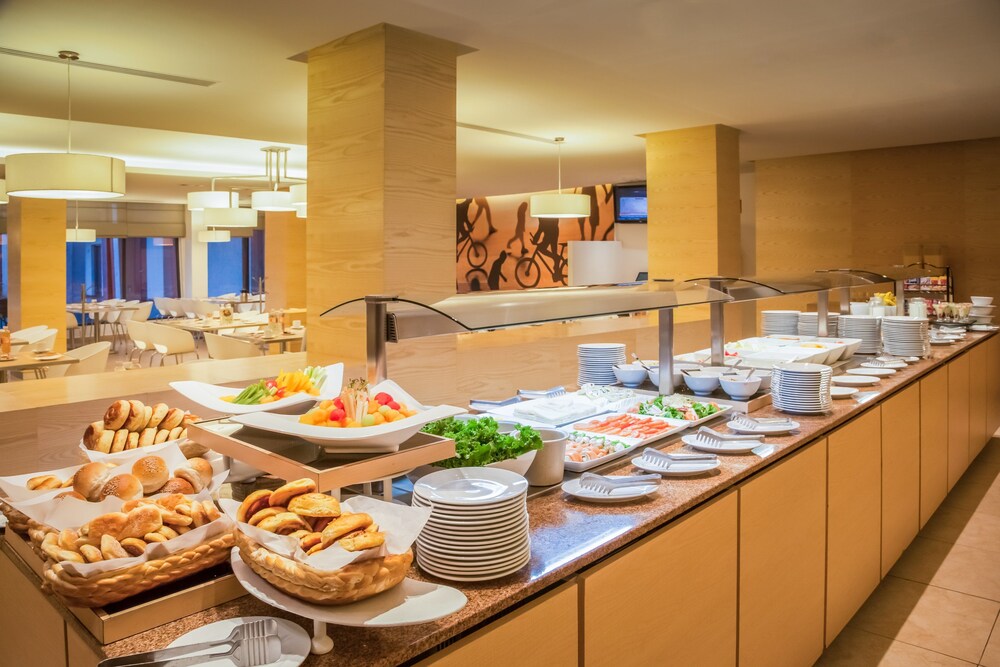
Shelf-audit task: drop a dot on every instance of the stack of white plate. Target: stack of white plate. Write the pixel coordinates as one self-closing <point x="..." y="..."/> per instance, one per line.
<point x="864" y="327"/>
<point x="905" y="336"/>
<point x="802" y="389"/>
<point x="597" y="362"/>
<point x="478" y="528"/>
<point x="779" y="322"/>
<point x="809" y="324"/>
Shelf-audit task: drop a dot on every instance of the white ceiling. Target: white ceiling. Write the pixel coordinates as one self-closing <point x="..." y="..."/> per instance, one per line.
<point x="796" y="76"/>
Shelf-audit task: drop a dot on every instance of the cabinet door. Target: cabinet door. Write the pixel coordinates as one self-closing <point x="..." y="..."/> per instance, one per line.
<point x="958" y="418"/>
<point x="31" y="631"/>
<point x="900" y="473"/>
<point x="79" y="652"/>
<point x="542" y="633"/>
<point x="993" y="385"/>
<point x="933" y="442"/>
<point x="687" y="569"/>
<point x="978" y="400"/>
<point x="782" y="561"/>
<point x="853" y="518"/>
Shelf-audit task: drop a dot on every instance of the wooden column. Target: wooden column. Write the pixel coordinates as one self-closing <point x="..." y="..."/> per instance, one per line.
<point x="36" y="269"/>
<point x="381" y="140"/>
<point x="284" y="260"/>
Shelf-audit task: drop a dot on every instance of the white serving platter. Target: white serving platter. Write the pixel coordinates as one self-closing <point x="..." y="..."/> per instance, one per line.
<point x="210" y="395"/>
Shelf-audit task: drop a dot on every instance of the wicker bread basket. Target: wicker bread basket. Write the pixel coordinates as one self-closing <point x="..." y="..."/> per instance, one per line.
<point x="350" y="583"/>
<point x="107" y="587"/>
<point x="16" y="520"/>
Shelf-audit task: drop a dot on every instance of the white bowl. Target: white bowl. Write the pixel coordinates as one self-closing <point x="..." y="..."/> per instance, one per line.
<point x="703" y="385"/>
<point x="741" y="388"/>
<point x="654" y="372"/>
<point x="860" y="308"/>
<point x="765" y="379"/>
<point x="715" y="370"/>
<point x="629" y="375"/>
<point x="979" y="311"/>
<point x="981" y="300"/>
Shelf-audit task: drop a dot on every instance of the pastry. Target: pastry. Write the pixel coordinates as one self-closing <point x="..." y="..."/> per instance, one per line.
<point x="315" y="505"/>
<point x="252" y="504"/>
<point x="118" y="443"/>
<point x="175" y="433"/>
<point x="124" y="486"/>
<point x="90" y="553"/>
<point x="137" y="411"/>
<point x="168" y="532"/>
<point x="161" y="436"/>
<point x="147" y="414"/>
<point x="67" y="555"/>
<point x="136" y="523"/>
<point x="198" y="472"/>
<point x="67" y="538"/>
<point x="309" y="540"/>
<point x="133" y="441"/>
<point x="67" y="484"/>
<point x="284" y="494"/>
<point x="172" y="419"/>
<point x="157" y="413"/>
<point x="191" y="449"/>
<point x="265" y="513"/>
<point x="134" y="546"/>
<point x="151" y="472"/>
<point x="154" y="537"/>
<point x="44" y="483"/>
<point x="93" y="435"/>
<point x="71" y="494"/>
<point x="182" y="517"/>
<point x="172" y="501"/>
<point x="116" y="415"/>
<point x="104" y="443"/>
<point x="147" y="437"/>
<point x="211" y="511"/>
<point x="320" y="522"/>
<point x="176" y="485"/>
<point x="283" y="523"/>
<point x="112" y="548"/>
<point x="89" y="479"/>
<point x="344" y="524"/>
<point x="361" y="540"/>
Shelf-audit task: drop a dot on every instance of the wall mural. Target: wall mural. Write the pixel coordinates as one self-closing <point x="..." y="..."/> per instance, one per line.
<point x="500" y="247"/>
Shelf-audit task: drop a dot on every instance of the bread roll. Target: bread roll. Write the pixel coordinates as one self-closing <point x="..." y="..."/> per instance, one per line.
<point x="211" y="511"/>
<point x="175" y="433"/>
<point x="89" y="479"/>
<point x="161" y="436"/>
<point x="90" y="553"/>
<point x="283" y="523"/>
<point x="283" y="494"/>
<point x="154" y="537"/>
<point x="315" y="505"/>
<point x="191" y="449"/>
<point x="137" y="412"/>
<point x="359" y="541"/>
<point x="252" y="504"/>
<point x="147" y="437"/>
<point x="342" y="525"/>
<point x="265" y="513"/>
<point x="177" y="485"/>
<point x="309" y="540"/>
<point x="124" y="486"/>
<point x="121" y="438"/>
<point x="151" y="472"/>
<point x="168" y="532"/>
<point x="70" y="494"/>
<point x="172" y="419"/>
<point x="112" y="548"/>
<point x="172" y="501"/>
<point x="133" y="441"/>
<point x="116" y="415"/>
<point x="198" y="472"/>
<point x="67" y="538"/>
<point x="159" y="411"/>
<point x="105" y="441"/>
<point x="133" y="546"/>
<point x="147" y="414"/>
<point x="43" y="483"/>
<point x="92" y="436"/>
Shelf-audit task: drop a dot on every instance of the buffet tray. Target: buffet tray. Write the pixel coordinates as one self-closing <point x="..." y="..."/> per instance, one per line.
<point x="755" y="402"/>
<point x="289" y="457"/>
<point x="164" y="604"/>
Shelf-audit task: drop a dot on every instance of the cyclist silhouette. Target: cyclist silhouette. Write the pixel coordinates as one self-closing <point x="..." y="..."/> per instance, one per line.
<point x="496" y="271"/>
<point x="522" y="220"/>
<point x="547" y="238"/>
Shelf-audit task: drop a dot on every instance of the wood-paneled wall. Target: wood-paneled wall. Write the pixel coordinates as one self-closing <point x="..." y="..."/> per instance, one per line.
<point x="284" y="260"/>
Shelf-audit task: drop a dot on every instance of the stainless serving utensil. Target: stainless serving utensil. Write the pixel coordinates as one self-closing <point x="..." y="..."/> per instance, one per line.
<point x="636" y="359"/>
<point x="606" y="485"/>
<point x="665" y="460"/>
<point x="705" y="430"/>
<point x="713" y="439"/>
<point x="253" y="643"/>
<point x="554" y="392"/>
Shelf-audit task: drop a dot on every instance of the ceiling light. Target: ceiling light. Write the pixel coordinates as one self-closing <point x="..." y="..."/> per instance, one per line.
<point x="77" y="235"/>
<point x="214" y="236"/>
<point x="229" y="217"/>
<point x="559" y="205"/>
<point x="3" y="192"/>
<point x="271" y="200"/>
<point x="276" y="170"/>
<point x="298" y="193"/>
<point x="300" y="210"/>
<point x="66" y="175"/>
<point x="199" y="201"/>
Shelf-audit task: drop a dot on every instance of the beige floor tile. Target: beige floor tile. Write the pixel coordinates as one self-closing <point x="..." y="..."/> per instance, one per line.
<point x="856" y="648"/>
<point x="966" y="527"/>
<point x="975" y="494"/>
<point x="991" y="657"/>
<point x="952" y="566"/>
<point x="933" y="618"/>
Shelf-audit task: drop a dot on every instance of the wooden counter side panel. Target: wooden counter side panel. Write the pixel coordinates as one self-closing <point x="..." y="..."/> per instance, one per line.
<point x="31" y="631"/>
<point x="687" y="569"/>
<point x="958" y="418"/>
<point x="782" y="562"/>
<point x="978" y="400"/>
<point x="900" y="474"/>
<point x="993" y="386"/>
<point x="543" y="633"/>
<point x="854" y="478"/>
<point x="933" y="442"/>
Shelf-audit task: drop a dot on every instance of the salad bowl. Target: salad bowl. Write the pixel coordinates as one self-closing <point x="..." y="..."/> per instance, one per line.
<point x="210" y="395"/>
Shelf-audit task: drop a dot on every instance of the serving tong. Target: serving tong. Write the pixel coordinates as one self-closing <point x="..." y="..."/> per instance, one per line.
<point x="708" y="437"/>
<point x="250" y="644"/>
<point x="607" y="485"/>
<point x="746" y="421"/>
<point x="666" y="459"/>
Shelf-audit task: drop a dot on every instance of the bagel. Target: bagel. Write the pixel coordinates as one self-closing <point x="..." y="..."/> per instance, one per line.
<point x="119" y="441"/>
<point x="115" y="416"/>
<point x="158" y="412"/>
<point x="137" y="411"/>
<point x="105" y="441"/>
<point x="172" y="419"/>
<point x="92" y="436"/>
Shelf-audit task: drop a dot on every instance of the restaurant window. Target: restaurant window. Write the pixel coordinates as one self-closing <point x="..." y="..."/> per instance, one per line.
<point x="132" y="269"/>
<point x="236" y="265"/>
<point x="97" y="267"/>
<point x="151" y="268"/>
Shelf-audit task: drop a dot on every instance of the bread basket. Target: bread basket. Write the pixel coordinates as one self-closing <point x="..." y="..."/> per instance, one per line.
<point x="104" y="588"/>
<point x="351" y="583"/>
<point x="16" y="520"/>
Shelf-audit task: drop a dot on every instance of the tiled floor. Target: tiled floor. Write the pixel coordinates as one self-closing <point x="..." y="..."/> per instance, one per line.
<point x="940" y="604"/>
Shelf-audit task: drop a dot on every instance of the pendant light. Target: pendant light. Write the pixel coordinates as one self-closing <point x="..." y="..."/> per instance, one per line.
<point x="559" y="205"/>
<point x="276" y="166"/>
<point x="300" y="210"/>
<point x="214" y="236"/>
<point x="201" y="200"/>
<point x="298" y="193"/>
<point x="230" y="217"/>
<point x="66" y="175"/>
<point x="77" y="235"/>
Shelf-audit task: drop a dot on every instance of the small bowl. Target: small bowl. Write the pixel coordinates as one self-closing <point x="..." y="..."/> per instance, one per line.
<point x="981" y="300"/>
<point x="702" y="384"/>
<point x="979" y="311"/>
<point x="679" y="366"/>
<point x="860" y="308"/>
<point x="630" y="375"/>
<point x="765" y="379"/>
<point x="740" y="389"/>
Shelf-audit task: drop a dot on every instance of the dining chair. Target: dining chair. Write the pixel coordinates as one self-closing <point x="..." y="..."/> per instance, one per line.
<point x="145" y="309"/>
<point x="204" y="308"/>
<point x="93" y="359"/>
<point x="27" y="333"/>
<point x="72" y="328"/>
<point x="170" y="341"/>
<point x="138" y="333"/>
<point x="222" y="347"/>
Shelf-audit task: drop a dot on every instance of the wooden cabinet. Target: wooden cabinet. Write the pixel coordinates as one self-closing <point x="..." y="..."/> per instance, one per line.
<point x="542" y="633"/>
<point x="782" y="561"/>
<point x="78" y="650"/>
<point x="958" y="418"/>
<point x="31" y="631"/>
<point x="853" y="518"/>
<point x="992" y="386"/>
<point x="934" y="432"/>
<point x="677" y="589"/>
<point x="978" y="399"/>
<point x="900" y="473"/>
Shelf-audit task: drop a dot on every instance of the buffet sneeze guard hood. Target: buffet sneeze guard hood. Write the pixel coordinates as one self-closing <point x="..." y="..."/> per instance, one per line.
<point x="897" y="275"/>
<point x="395" y="318"/>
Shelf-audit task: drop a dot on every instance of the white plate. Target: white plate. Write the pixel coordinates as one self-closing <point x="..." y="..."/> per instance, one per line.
<point x="381" y="438"/>
<point x="449" y="544"/>
<point x="486" y="559"/>
<point x="443" y="507"/>
<point x="487" y="513"/>
<point x="935" y="341"/>
<point x="670" y="426"/>
<point x="210" y="395"/>
<point x="888" y="364"/>
<point x="871" y="372"/>
<point x="677" y="468"/>
<point x="856" y="380"/>
<point x="295" y="642"/>
<point x="463" y="527"/>
<point x="764" y="429"/>
<point x="727" y="447"/>
<point x="572" y="487"/>
<point x="409" y="603"/>
<point x="843" y="392"/>
<point x="461" y="575"/>
<point x="471" y="486"/>
<point x="47" y="357"/>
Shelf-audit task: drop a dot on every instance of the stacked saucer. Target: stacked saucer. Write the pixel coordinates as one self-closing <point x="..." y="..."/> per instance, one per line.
<point x="864" y="327"/>
<point x="809" y="324"/>
<point x="478" y="528"/>
<point x="779" y="322"/>
<point x="802" y="389"/>
<point x="597" y="361"/>
<point x="905" y="336"/>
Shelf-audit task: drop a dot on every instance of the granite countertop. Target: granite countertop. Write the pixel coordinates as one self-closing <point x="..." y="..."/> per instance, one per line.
<point x="566" y="537"/>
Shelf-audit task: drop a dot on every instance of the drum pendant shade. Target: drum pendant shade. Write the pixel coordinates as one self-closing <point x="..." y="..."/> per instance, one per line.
<point x="65" y="176"/>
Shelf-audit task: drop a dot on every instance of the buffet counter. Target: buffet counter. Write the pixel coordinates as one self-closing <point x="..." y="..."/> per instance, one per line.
<point x="778" y="551"/>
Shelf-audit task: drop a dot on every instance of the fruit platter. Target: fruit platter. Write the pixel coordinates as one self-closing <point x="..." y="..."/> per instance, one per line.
<point x="677" y="406"/>
<point x="289" y="391"/>
<point x="360" y="420"/>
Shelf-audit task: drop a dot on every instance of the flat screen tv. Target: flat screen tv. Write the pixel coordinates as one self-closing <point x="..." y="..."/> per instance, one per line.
<point x="630" y="202"/>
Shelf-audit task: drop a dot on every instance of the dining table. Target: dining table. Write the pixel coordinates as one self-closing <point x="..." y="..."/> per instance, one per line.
<point x="211" y="325"/>
<point x="28" y="361"/>
<point x="263" y="341"/>
<point x="98" y="311"/>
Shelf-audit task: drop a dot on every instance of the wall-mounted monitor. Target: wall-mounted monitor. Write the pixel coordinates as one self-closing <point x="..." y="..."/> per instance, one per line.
<point x="630" y="202"/>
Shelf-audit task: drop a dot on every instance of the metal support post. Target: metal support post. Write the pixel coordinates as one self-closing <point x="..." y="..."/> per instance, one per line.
<point x="845" y="300"/>
<point x="718" y="323"/>
<point x="822" y="313"/>
<point x="666" y="383"/>
<point x="375" y="331"/>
